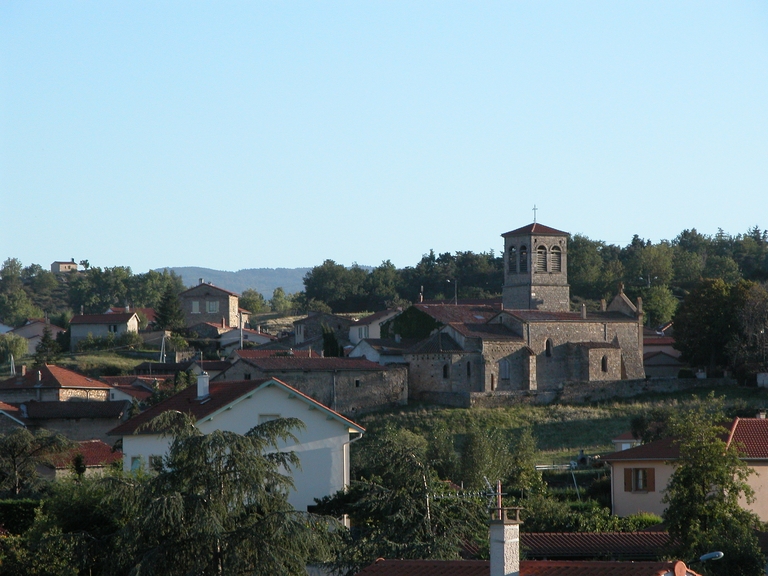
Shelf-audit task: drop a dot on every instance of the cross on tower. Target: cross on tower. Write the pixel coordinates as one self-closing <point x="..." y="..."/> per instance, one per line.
<point x="534" y="213"/>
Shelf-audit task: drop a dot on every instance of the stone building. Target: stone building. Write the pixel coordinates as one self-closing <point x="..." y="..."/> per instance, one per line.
<point x="51" y="383"/>
<point x="208" y="303"/>
<point x="532" y="341"/>
<point x="347" y="385"/>
<point x="101" y="326"/>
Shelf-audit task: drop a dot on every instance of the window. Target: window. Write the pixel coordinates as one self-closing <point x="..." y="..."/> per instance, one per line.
<point x="523" y="259"/>
<point x="445" y="370"/>
<point x="268" y="417"/>
<point x="556" y="259"/>
<point x="469" y="369"/>
<point x="604" y="364"/>
<point x="247" y="376"/>
<point x="357" y="383"/>
<point x="135" y="463"/>
<point x="493" y="383"/>
<point x="639" y="479"/>
<point x="548" y="348"/>
<point x="195" y="307"/>
<point x="156" y="463"/>
<point x="541" y="259"/>
<point x="113" y="328"/>
<point x="504" y="370"/>
<point x="512" y="260"/>
<point x="212" y="306"/>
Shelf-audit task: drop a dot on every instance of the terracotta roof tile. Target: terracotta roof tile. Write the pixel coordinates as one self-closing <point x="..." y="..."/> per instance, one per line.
<point x="527" y="568"/>
<point x="751" y="434"/>
<point x="547" y="316"/>
<point x="95" y="453"/>
<point x="665" y="449"/>
<point x="74" y="410"/>
<point x="209" y="285"/>
<point x="573" y="545"/>
<point x="102" y="318"/>
<point x="368" y="320"/>
<point x="487" y="331"/>
<point x="535" y="228"/>
<point x="52" y="377"/>
<point x="434" y="346"/>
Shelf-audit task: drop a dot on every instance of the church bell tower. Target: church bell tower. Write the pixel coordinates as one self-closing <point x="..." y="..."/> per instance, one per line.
<point x="536" y="269"/>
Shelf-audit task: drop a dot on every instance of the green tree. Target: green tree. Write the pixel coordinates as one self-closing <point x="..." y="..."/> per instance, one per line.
<point x="11" y="344"/>
<point x="253" y="301"/>
<point x="522" y="475"/>
<point x="169" y="315"/>
<point x="47" y="349"/>
<point x="281" y="302"/>
<point x="331" y="346"/>
<point x="659" y="304"/>
<point x="402" y="510"/>
<point x="703" y="511"/>
<point x="219" y="506"/>
<point x="485" y="457"/>
<point x="21" y="451"/>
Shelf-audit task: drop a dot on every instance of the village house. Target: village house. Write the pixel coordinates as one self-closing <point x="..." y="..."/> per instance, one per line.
<point x="310" y="328"/>
<point x="51" y="383"/>
<point x="97" y="457"/>
<point x="101" y="326"/>
<point x="640" y="474"/>
<point x="348" y="385"/>
<point x="63" y="267"/>
<point x="208" y="303"/>
<point x="370" y="326"/>
<point x="322" y="445"/>
<point x="33" y="331"/>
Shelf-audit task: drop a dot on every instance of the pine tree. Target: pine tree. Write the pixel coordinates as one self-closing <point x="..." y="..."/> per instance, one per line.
<point x="169" y="315"/>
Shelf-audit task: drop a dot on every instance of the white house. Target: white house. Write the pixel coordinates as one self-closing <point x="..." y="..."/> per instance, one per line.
<point x="101" y="326"/>
<point x="323" y="446"/>
<point x="370" y="326"/>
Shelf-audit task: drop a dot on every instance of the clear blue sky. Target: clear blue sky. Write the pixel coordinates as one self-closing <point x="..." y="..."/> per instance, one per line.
<point x="278" y="134"/>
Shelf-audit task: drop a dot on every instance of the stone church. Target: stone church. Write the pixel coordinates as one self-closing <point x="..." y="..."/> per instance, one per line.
<point x="532" y="341"/>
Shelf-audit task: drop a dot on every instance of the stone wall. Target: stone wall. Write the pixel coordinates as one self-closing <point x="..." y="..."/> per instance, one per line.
<point x="350" y="392"/>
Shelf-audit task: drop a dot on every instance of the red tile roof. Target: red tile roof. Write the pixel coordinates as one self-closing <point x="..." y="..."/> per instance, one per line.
<point x="665" y="449"/>
<point x="95" y="453"/>
<point x="75" y="410"/>
<point x="368" y="320"/>
<point x="209" y="285"/>
<point x="52" y="377"/>
<point x="102" y="318"/>
<point x="468" y="314"/>
<point x="314" y="364"/>
<point x="535" y="228"/>
<point x="432" y="345"/>
<point x="645" y="545"/>
<point x="751" y="434"/>
<point x="527" y="568"/>
<point x="547" y="316"/>
<point x="220" y="395"/>
<point x="487" y="331"/>
<point x="149" y="313"/>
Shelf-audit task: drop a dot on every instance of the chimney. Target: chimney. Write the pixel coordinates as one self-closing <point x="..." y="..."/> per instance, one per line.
<point x="639" y="305"/>
<point x="603" y="306"/>
<point x="505" y="542"/>
<point x="761" y="415"/>
<point x="39" y="376"/>
<point x="583" y="311"/>
<point x="202" y="385"/>
<point x="23" y="370"/>
<point x="201" y="281"/>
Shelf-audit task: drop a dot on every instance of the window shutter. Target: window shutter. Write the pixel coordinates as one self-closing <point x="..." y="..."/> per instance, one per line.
<point x="651" y="476"/>
<point x="627" y="479"/>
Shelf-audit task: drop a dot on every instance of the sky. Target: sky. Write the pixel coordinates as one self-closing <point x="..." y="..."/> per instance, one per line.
<point x="234" y="135"/>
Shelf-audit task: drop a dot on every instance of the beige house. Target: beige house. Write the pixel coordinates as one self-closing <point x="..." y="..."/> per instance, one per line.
<point x="33" y="332"/>
<point x="208" y="303"/>
<point x="61" y="267"/>
<point x="101" y="326"/>
<point x="51" y="383"/>
<point x="639" y="475"/>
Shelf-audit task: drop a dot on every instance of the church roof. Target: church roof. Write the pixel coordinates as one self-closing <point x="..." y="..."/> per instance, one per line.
<point x="432" y="346"/>
<point x="535" y="228"/>
<point x="468" y="314"/>
<point x="550" y="316"/>
<point x="487" y="331"/>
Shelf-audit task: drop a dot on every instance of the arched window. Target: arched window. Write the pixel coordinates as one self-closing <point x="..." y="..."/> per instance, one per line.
<point x="523" y="259"/>
<point x="512" y="260"/>
<point x="541" y="259"/>
<point x="445" y="370"/>
<point x="469" y="369"/>
<point x="493" y="383"/>
<point x="604" y="364"/>
<point x="548" y="349"/>
<point x="556" y="259"/>
<point x="504" y="370"/>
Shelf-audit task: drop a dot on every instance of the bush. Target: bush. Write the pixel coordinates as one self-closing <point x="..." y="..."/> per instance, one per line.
<point x="17" y="516"/>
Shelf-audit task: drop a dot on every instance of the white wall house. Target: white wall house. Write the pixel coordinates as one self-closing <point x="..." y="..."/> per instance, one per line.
<point x="323" y="446"/>
<point x="370" y="326"/>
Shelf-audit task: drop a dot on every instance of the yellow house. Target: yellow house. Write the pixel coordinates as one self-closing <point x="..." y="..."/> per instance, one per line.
<point x="639" y="475"/>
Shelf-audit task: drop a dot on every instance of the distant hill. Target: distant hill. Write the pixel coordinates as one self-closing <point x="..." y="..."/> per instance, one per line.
<point x="264" y="280"/>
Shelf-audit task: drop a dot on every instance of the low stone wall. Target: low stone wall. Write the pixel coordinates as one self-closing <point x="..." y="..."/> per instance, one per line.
<point x="452" y="399"/>
<point x="576" y="392"/>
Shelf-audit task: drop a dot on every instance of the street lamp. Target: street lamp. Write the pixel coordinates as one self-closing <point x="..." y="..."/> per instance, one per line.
<point x="455" y="290"/>
<point x="706" y="557"/>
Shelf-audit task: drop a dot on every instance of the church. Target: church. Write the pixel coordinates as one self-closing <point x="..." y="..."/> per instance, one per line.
<point x="532" y="341"/>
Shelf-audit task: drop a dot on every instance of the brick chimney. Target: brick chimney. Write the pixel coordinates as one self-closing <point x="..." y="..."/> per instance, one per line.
<point x="505" y="542"/>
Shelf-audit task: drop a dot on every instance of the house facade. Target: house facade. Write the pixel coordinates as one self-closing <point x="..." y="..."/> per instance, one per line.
<point x="639" y="475"/>
<point x="370" y="326"/>
<point x="51" y="383"/>
<point x="33" y="332"/>
<point x="322" y="446"/>
<point x="101" y="326"/>
<point x="208" y="303"/>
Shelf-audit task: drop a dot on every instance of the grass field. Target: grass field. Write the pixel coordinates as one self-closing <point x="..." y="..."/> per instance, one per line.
<point x="562" y="430"/>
